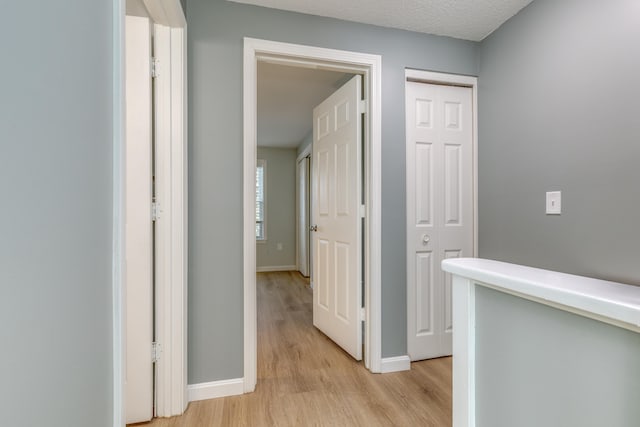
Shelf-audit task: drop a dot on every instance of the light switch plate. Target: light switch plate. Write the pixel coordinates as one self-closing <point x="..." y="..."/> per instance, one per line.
<point x="554" y="202"/>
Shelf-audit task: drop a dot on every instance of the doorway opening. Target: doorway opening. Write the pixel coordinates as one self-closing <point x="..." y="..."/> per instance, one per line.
<point x="287" y="101"/>
<point x="369" y="66"/>
<point x="286" y="98"/>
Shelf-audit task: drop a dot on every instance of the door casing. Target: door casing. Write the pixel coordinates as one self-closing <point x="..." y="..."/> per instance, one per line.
<point x="172" y="379"/>
<point x="302" y="224"/>
<point x="139" y="228"/>
<point x="370" y="66"/>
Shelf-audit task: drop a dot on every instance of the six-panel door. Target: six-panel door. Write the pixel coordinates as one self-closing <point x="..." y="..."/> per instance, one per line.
<point x="439" y="126"/>
<point x="337" y="248"/>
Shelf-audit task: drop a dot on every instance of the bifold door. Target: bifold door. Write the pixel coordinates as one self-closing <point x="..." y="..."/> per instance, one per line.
<point x="439" y="132"/>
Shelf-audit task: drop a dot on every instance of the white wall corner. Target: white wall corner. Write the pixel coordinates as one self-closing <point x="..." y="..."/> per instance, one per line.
<point x="395" y="364"/>
<point x="215" y="389"/>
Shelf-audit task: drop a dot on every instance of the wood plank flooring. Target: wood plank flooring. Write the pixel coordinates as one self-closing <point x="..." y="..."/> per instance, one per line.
<point x="304" y="379"/>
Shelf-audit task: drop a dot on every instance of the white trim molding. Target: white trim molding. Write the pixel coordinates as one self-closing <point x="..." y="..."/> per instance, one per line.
<point x="118" y="233"/>
<point x="304" y="153"/>
<point x="395" y="364"/>
<point x="613" y="303"/>
<point x="271" y="268"/>
<point x="172" y="298"/>
<point x="215" y="389"/>
<point x="171" y="229"/>
<point x="166" y="12"/>
<point x="370" y="67"/>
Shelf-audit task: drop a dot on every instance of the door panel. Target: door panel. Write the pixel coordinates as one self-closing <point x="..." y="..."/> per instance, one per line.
<point x="424" y="187"/>
<point x="321" y="276"/>
<point x="452" y="181"/>
<point x="139" y="234"/>
<point x="439" y="208"/>
<point x="424" y="294"/>
<point x="446" y="277"/>
<point x="336" y="187"/>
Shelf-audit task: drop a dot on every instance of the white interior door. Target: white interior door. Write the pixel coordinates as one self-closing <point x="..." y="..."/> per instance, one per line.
<point x="439" y="208"/>
<point x="336" y="193"/>
<point x="139" y="231"/>
<point x="303" y="216"/>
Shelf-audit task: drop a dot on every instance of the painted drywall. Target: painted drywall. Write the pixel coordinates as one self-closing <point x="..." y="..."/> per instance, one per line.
<point x="216" y="31"/>
<point x="539" y="366"/>
<point x="306" y="142"/>
<point x="56" y="213"/>
<point x="559" y="97"/>
<point x="281" y="208"/>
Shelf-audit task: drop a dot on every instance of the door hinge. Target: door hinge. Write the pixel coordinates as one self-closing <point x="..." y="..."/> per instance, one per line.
<point x="363" y="211"/>
<point x="362" y="106"/>
<point x="155" y="68"/>
<point x="156" y="351"/>
<point x="155" y="211"/>
<point x="363" y="314"/>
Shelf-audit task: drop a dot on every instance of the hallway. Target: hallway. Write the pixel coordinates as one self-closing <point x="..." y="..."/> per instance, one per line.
<point x="304" y="379"/>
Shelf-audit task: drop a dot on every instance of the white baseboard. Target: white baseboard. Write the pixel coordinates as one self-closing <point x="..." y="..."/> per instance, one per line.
<point x="214" y="389"/>
<point x="268" y="269"/>
<point x="395" y="364"/>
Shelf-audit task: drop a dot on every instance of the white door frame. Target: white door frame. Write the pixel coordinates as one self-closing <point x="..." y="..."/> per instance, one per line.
<point x="370" y="66"/>
<point x="305" y="153"/>
<point x="139" y="228"/>
<point x="171" y="283"/>
<point x="171" y="225"/>
<point x="451" y="80"/>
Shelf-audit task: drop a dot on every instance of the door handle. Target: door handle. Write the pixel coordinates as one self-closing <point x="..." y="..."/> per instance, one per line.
<point x="425" y="239"/>
<point x="313" y="228"/>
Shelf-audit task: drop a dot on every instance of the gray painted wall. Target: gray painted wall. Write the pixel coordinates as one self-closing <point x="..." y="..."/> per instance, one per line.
<point x="538" y="366"/>
<point x="559" y="98"/>
<point x="281" y="208"/>
<point x="56" y="213"/>
<point x="216" y="31"/>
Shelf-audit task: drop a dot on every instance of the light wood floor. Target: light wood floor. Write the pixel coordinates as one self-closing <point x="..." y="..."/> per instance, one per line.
<point x="304" y="379"/>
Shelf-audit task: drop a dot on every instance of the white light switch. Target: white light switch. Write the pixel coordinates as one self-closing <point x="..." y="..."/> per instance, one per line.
<point x="554" y="202"/>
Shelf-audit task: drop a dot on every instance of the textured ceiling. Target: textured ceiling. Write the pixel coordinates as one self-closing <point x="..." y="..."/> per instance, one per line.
<point x="286" y="99"/>
<point x="462" y="19"/>
<point x="287" y="95"/>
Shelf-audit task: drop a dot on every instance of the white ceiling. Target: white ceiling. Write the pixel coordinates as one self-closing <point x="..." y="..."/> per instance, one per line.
<point x="286" y="98"/>
<point x="462" y="19"/>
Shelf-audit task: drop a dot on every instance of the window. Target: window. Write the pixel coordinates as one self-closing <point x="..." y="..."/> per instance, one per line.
<point x="261" y="192"/>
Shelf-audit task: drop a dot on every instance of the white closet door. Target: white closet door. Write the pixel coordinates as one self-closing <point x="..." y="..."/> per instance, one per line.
<point x="439" y="126"/>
